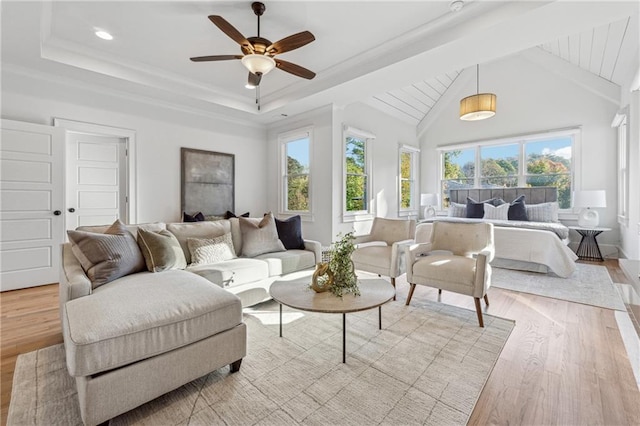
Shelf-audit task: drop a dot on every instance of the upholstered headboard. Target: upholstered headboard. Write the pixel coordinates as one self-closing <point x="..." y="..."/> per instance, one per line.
<point x="533" y="195"/>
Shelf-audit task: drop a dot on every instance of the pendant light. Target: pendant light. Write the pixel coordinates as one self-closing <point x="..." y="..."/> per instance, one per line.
<point x="478" y="106"/>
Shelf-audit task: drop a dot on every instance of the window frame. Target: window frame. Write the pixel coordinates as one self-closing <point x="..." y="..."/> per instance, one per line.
<point x="621" y="124"/>
<point x="575" y="133"/>
<point x="414" y="208"/>
<point x="283" y="140"/>
<point x="368" y="137"/>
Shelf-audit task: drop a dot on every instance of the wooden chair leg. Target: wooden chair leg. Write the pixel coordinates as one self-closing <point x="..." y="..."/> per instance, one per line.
<point x="479" y="311"/>
<point x="235" y="365"/>
<point x="393" y="283"/>
<point x="413" y="287"/>
<point x="439" y="291"/>
<point x="486" y="300"/>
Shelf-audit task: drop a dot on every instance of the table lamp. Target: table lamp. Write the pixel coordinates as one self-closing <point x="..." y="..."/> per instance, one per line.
<point x="587" y="201"/>
<point x="429" y="200"/>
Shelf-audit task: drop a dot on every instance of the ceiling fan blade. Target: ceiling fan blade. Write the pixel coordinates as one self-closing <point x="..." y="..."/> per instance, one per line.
<point x="216" y="58"/>
<point x="289" y="43"/>
<point x="295" y="69"/>
<point x="254" y="79"/>
<point x="231" y="31"/>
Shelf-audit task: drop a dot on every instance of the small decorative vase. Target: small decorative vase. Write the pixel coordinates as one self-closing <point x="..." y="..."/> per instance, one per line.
<point x="322" y="278"/>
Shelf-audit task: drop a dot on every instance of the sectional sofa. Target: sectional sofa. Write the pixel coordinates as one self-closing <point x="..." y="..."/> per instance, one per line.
<point x="136" y="337"/>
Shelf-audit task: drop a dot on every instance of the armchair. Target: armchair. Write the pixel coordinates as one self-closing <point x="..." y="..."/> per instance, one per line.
<point x="454" y="257"/>
<point x="381" y="251"/>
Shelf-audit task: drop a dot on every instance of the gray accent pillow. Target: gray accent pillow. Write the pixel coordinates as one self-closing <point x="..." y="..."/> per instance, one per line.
<point x="259" y="236"/>
<point x="205" y="251"/>
<point x="492" y="212"/>
<point x="457" y="210"/>
<point x="109" y="256"/>
<point x="161" y="250"/>
<point x="543" y="212"/>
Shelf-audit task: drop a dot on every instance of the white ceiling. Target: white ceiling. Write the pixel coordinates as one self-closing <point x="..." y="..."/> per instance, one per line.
<point x="396" y="55"/>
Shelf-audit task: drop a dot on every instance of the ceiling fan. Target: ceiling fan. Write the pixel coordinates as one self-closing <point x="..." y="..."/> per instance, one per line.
<point x="258" y="52"/>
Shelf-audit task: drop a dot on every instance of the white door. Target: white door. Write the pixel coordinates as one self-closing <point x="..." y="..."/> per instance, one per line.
<point x="96" y="180"/>
<point x="31" y="202"/>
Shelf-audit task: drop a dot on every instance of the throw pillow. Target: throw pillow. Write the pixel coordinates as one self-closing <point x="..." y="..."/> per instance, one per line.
<point x="500" y="212"/>
<point x="109" y="256"/>
<point x="457" y="210"/>
<point x="229" y="215"/>
<point x="290" y="232"/>
<point x="198" y="217"/>
<point x="205" y="251"/>
<point x="518" y="210"/>
<point x="161" y="250"/>
<point x="259" y="236"/>
<point x="475" y="209"/>
<point x="543" y="212"/>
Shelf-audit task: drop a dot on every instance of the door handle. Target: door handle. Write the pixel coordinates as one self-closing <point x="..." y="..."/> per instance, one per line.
<point x="71" y="209"/>
<point x="57" y="212"/>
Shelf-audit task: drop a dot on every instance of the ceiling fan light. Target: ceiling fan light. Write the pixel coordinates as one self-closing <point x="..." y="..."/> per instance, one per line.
<point x="258" y="63"/>
<point x="478" y="107"/>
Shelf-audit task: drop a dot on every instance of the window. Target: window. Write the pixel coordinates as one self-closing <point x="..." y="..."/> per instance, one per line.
<point x="620" y="121"/>
<point x="296" y="160"/>
<point x="532" y="160"/>
<point x="357" y="181"/>
<point x="408" y="179"/>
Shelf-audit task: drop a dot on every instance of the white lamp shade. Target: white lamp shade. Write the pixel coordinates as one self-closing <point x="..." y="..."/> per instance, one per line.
<point x="258" y="63"/>
<point x="428" y="199"/>
<point x="590" y="199"/>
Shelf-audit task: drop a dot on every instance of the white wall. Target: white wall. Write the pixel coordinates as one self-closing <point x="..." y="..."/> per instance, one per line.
<point x="160" y="134"/>
<point x="530" y="100"/>
<point x="630" y="233"/>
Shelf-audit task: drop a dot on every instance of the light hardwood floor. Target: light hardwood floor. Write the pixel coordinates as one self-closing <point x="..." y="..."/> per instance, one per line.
<point x="563" y="364"/>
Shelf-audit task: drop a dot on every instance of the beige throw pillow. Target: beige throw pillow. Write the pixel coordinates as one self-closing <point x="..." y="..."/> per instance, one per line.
<point x="106" y="257"/>
<point x="161" y="250"/>
<point x="259" y="236"/>
<point x="205" y="251"/>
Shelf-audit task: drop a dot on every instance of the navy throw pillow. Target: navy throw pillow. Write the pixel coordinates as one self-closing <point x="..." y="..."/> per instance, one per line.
<point x="475" y="209"/>
<point x="198" y="217"/>
<point x="290" y="232"/>
<point x="518" y="210"/>
<point x="229" y="215"/>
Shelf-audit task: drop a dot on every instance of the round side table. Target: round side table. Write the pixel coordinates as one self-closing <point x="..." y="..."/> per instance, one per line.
<point x="588" y="248"/>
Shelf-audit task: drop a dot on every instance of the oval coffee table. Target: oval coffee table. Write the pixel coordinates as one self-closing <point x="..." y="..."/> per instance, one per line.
<point x="296" y="294"/>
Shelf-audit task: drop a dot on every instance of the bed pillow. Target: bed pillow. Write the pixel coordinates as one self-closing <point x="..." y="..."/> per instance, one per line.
<point x="259" y="236"/>
<point x="109" y="256"/>
<point x="518" y="210"/>
<point x="161" y="250"/>
<point x="500" y="212"/>
<point x="543" y="212"/>
<point x="475" y="209"/>
<point x="457" y="210"/>
<point x="205" y="251"/>
<point x="290" y="232"/>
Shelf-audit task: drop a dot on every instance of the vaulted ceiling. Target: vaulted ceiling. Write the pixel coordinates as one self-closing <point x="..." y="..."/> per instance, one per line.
<point x="398" y="56"/>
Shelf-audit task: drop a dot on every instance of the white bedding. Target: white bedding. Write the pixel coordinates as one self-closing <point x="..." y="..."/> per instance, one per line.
<point x="525" y="245"/>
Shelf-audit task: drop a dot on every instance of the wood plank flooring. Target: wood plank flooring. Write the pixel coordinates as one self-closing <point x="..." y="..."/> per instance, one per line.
<point x="563" y="364"/>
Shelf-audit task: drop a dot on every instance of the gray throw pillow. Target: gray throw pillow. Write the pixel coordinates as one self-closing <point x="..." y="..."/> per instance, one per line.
<point x="161" y="250"/>
<point x="259" y="236"/>
<point x="543" y="212"/>
<point x="109" y="256"/>
<point x="457" y="210"/>
<point x="205" y="251"/>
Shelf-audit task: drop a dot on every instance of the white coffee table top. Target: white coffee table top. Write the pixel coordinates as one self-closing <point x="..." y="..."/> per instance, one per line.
<point x="297" y="294"/>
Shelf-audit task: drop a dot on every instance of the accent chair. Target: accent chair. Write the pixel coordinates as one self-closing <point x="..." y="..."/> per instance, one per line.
<point x="454" y="257"/>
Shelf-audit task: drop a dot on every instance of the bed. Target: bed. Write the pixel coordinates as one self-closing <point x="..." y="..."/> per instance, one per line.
<point x="530" y="246"/>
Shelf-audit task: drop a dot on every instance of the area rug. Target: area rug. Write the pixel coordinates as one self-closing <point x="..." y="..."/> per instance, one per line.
<point x="589" y="284"/>
<point x="427" y="365"/>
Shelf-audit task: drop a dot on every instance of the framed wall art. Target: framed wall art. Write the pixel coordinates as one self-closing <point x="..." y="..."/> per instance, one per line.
<point x="208" y="180"/>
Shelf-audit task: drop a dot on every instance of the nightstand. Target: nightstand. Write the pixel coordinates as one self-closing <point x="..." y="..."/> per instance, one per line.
<point x="588" y="248"/>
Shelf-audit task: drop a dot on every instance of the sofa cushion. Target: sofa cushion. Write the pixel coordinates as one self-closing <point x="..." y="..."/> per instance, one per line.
<point x="259" y="236"/>
<point x="109" y="256"/>
<point x="183" y="231"/>
<point x="457" y="269"/>
<point x="161" y="250"/>
<point x="153" y="226"/>
<point x="196" y="217"/>
<point x="375" y="256"/>
<point x="233" y="272"/>
<point x="290" y="232"/>
<point x="205" y="251"/>
<point x="285" y="262"/>
<point x="142" y="315"/>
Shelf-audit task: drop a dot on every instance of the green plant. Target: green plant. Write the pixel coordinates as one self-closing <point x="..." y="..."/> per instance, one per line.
<point x="344" y="277"/>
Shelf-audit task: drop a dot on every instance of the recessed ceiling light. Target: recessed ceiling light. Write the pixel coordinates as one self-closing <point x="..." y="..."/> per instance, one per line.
<point x="104" y="35"/>
<point x="456" y="5"/>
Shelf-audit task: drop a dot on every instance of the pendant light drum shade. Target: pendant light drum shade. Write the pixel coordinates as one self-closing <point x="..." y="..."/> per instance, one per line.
<point x="478" y="107"/>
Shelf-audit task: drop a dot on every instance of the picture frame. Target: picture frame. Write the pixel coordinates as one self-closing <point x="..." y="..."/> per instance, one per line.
<point x="207" y="182"/>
